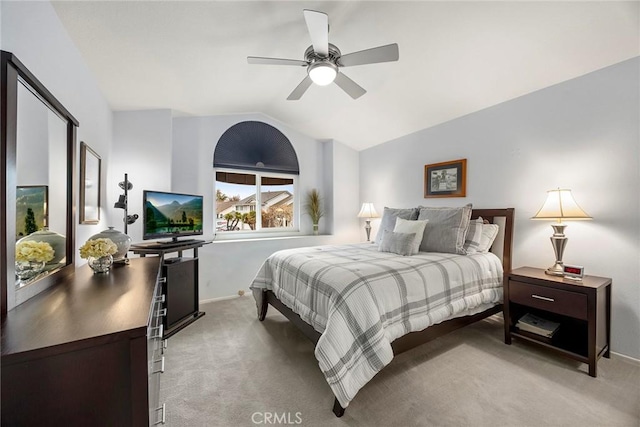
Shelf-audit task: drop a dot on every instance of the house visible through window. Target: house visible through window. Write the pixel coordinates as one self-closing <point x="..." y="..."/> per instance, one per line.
<point x="240" y="196"/>
<point x="256" y="172"/>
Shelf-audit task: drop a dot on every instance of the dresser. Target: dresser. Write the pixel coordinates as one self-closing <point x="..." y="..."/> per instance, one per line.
<point x="87" y="352"/>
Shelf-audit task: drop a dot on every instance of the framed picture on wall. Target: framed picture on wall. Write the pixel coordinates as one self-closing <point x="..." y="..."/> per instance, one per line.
<point x="32" y="212"/>
<point x="89" y="185"/>
<point x="446" y="179"/>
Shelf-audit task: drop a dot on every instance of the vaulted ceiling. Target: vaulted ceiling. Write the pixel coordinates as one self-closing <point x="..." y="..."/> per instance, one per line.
<point x="455" y="57"/>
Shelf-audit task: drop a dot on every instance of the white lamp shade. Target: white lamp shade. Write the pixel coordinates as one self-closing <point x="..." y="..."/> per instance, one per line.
<point x="368" y="211"/>
<point x="560" y="205"/>
<point x="322" y="73"/>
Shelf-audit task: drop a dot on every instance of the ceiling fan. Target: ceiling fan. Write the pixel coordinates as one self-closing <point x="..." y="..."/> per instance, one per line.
<point x="323" y="60"/>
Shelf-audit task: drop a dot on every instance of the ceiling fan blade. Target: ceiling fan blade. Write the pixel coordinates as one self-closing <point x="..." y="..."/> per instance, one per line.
<point x="374" y="55"/>
<point x="300" y="89"/>
<point x="352" y="88"/>
<point x="275" y="61"/>
<point x="318" y="25"/>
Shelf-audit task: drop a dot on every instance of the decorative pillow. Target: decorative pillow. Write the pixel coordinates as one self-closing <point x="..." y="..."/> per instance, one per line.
<point x="446" y="230"/>
<point x="474" y="234"/>
<point x="489" y="233"/>
<point x="389" y="216"/>
<point x="416" y="227"/>
<point x="398" y="243"/>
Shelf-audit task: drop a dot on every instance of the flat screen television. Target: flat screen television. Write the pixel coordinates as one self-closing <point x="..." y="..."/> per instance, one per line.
<point x="171" y="215"/>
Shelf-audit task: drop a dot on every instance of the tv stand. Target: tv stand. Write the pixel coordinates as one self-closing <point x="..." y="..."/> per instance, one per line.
<point x="166" y="244"/>
<point x="180" y="282"/>
<point x="175" y="241"/>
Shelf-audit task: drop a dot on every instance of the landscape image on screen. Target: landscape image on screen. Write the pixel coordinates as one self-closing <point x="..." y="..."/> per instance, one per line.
<point x="172" y="214"/>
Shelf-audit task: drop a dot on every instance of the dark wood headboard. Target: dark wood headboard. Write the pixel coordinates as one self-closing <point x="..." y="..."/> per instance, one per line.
<point x="504" y="218"/>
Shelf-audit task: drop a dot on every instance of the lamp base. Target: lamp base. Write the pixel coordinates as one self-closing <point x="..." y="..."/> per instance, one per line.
<point x="368" y="228"/>
<point x="559" y="242"/>
<point x="556" y="269"/>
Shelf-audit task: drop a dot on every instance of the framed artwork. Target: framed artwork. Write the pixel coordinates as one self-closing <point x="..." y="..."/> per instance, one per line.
<point x="32" y="213"/>
<point x="89" y="185"/>
<point x="446" y="179"/>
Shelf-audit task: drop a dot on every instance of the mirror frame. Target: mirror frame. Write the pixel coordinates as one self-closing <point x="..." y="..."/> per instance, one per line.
<point x="85" y="153"/>
<point x="11" y="71"/>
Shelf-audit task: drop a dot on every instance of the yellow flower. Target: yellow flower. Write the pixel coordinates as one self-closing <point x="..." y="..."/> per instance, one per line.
<point x="98" y="248"/>
<point x="34" y="251"/>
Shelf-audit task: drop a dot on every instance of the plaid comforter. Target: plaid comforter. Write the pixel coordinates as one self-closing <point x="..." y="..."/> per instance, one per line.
<point x="360" y="300"/>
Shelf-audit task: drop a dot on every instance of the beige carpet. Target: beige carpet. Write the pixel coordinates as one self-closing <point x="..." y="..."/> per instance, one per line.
<point x="229" y="369"/>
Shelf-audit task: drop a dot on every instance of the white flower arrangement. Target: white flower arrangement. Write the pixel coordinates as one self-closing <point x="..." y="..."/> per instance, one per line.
<point x="34" y="251"/>
<point x="97" y="248"/>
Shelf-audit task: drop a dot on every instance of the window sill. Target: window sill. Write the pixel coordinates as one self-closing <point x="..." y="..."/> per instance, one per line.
<point x="235" y="239"/>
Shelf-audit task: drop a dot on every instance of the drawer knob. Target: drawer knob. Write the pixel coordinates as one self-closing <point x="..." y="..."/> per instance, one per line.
<point x="542" y="298"/>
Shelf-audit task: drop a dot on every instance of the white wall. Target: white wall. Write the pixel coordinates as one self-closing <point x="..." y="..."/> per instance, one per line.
<point x="582" y="134"/>
<point x="346" y="204"/>
<point x="34" y="34"/>
<point x="142" y="149"/>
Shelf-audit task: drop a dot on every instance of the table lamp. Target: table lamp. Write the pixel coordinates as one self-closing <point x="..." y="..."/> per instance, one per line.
<point x="559" y="206"/>
<point x="368" y="212"/>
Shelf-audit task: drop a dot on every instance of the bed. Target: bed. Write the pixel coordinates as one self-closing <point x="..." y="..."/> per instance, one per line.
<point x="360" y="307"/>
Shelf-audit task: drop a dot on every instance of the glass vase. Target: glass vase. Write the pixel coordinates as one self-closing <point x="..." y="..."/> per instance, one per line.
<point x="100" y="265"/>
<point x="26" y="270"/>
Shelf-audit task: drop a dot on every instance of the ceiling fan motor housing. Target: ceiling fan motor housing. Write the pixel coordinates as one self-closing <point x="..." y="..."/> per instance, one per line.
<point x="334" y="55"/>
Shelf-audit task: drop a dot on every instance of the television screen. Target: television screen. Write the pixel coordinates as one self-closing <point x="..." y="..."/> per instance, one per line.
<point x="171" y="215"/>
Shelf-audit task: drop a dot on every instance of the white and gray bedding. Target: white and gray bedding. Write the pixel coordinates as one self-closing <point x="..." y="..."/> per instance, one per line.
<point x="360" y="300"/>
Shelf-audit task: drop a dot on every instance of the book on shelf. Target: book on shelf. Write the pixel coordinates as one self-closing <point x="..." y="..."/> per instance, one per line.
<point x="537" y="325"/>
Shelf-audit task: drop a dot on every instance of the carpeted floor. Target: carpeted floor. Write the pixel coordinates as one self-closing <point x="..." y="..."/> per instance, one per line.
<point x="229" y="369"/>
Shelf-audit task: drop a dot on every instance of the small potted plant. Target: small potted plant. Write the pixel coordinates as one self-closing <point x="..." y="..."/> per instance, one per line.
<point x="313" y="208"/>
<point x="99" y="254"/>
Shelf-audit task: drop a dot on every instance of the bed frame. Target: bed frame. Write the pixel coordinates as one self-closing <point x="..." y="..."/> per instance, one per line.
<point x="504" y="217"/>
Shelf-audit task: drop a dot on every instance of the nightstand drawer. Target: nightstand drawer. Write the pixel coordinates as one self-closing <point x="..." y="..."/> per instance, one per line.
<point x="567" y="303"/>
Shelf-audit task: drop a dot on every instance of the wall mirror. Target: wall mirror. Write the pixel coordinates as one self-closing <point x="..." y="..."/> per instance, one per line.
<point x="38" y="152"/>
<point x="89" y="185"/>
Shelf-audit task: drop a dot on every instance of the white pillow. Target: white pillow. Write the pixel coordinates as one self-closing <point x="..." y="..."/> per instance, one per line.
<point x="414" y="227"/>
<point x="474" y="236"/>
<point x="489" y="233"/>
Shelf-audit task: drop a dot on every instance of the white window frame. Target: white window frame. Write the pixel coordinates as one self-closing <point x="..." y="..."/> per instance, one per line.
<point x="259" y="231"/>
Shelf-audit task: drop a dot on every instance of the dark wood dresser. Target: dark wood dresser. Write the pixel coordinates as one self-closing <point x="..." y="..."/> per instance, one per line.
<point x="87" y="352"/>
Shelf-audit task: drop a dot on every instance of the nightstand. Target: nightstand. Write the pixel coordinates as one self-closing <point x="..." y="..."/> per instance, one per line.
<point x="582" y="308"/>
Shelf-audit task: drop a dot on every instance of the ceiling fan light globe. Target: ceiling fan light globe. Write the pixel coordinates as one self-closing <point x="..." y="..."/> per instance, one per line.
<point x="322" y="73"/>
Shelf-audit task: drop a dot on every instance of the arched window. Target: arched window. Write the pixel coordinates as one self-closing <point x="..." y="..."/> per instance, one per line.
<point x="256" y="171"/>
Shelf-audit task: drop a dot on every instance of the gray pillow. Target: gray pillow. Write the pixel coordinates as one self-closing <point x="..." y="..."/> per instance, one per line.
<point x="389" y="216"/>
<point x="446" y="230"/>
<point x="398" y="243"/>
<point x="474" y="235"/>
